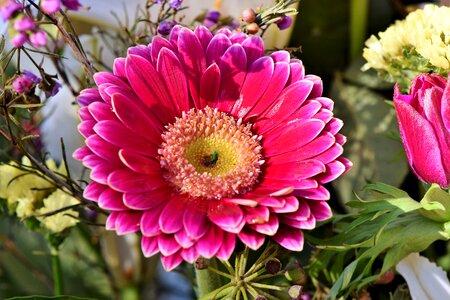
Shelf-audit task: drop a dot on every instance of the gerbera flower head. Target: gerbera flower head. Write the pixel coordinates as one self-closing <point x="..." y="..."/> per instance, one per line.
<point x="199" y="140"/>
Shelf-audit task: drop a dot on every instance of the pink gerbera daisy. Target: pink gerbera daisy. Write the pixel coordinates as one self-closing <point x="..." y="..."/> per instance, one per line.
<point x="198" y="140"/>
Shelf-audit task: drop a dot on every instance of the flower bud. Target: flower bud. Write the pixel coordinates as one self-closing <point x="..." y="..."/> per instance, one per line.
<point x="24" y="24"/>
<point x="249" y="15"/>
<point x="273" y="266"/>
<point x="295" y="291"/>
<point x="19" y="39"/>
<point x="38" y="39"/>
<point x="22" y="84"/>
<point x="284" y="23"/>
<point x="252" y="28"/>
<point x="51" y="6"/>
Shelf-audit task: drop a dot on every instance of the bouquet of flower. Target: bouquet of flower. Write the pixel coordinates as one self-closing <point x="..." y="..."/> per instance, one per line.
<point x="167" y="133"/>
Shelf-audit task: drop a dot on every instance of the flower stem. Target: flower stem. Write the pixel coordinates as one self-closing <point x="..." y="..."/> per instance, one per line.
<point x="57" y="274"/>
<point x="207" y="279"/>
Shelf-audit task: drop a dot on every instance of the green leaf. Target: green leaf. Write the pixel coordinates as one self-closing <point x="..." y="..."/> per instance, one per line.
<point x="436" y="204"/>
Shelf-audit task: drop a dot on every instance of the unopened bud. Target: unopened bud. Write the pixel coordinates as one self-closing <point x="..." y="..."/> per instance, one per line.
<point x="295" y="291"/>
<point x="260" y="297"/>
<point x="252" y="28"/>
<point x="385" y="278"/>
<point x="249" y="15"/>
<point x="273" y="266"/>
<point x="295" y="274"/>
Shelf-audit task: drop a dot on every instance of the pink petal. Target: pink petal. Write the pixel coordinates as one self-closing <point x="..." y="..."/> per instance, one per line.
<point x="216" y="48"/>
<point x="227" y="248"/>
<point x="290" y="238"/>
<point x="111" y="220"/>
<point x="90" y="161"/>
<point x="303" y="212"/>
<point x="146" y="200"/>
<point x="297" y="170"/>
<point x="195" y="221"/>
<point x="309" y="223"/>
<point x="117" y="134"/>
<point x="334" y="170"/>
<point x="88" y="96"/>
<point x="149" y="221"/>
<point x="285" y="104"/>
<point x="134" y="116"/>
<point x="139" y="163"/>
<point x="318" y="86"/>
<point x="193" y="60"/>
<point x="159" y="44"/>
<point x="251" y="238"/>
<point x="149" y="86"/>
<point x="254" y="48"/>
<point x="127" y="181"/>
<point x="171" y="218"/>
<point x="257" y="215"/>
<point x="268" y="228"/>
<point x="171" y="262"/>
<point x="101" y="171"/>
<point x="111" y="200"/>
<point x="119" y="67"/>
<point x="167" y="245"/>
<point x="255" y="84"/>
<point x="281" y="56"/>
<point x="93" y="191"/>
<point x="85" y="114"/>
<point x="233" y="65"/>
<point x="183" y="238"/>
<point x="209" y="86"/>
<point x="103" y="149"/>
<point x="190" y="254"/>
<point x="334" y="126"/>
<point x="297" y="71"/>
<point x="86" y="128"/>
<point x="320" y="193"/>
<point x="320" y="209"/>
<point x="291" y="205"/>
<point x="101" y="111"/>
<point x="149" y="246"/>
<point x="128" y="222"/>
<point x="292" y="137"/>
<point x="203" y="35"/>
<point x="210" y="243"/>
<point x="295" y="183"/>
<point x="141" y="50"/>
<point x="273" y="90"/>
<point x="227" y="216"/>
<point x="172" y="73"/>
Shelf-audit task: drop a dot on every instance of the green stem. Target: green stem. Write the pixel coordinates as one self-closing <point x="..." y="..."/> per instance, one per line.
<point x="207" y="279"/>
<point x="358" y="24"/>
<point x="57" y="274"/>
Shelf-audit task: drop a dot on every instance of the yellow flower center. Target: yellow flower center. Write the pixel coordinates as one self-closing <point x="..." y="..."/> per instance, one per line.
<point x="207" y="153"/>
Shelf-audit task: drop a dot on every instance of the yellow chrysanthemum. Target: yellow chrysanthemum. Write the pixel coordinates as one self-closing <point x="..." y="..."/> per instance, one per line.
<point x="62" y="220"/>
<point x="425" y="31"/>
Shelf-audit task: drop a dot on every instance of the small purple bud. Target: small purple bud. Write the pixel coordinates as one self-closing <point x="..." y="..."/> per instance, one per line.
<point x="51" y="6"/>
<point x="22" y="84"/>
<point x="175" y="4"/>
<point x="31" y="76"/>
<point x="213" y="15"/>
<point x="234" y="25"/>
<point x="19" y="39"/>
<point x="165" y="27"/>
<point x="8" y="9"/>
<point x="284" y="23"/>
<point x="39" y="39"/>
<point x="24" y="24"/>
<point x="72" y="4"/>
<point x="157" y="1"/>
<point x="54" y="91"/>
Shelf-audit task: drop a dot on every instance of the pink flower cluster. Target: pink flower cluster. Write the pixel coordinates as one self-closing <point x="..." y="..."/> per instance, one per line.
<point x="25" y="82"/>
<point x="53" y="6"/>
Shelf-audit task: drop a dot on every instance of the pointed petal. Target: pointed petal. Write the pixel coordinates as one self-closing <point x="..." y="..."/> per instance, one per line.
<point x="171" y="218"/>
<point x="195" y="222"/>
<point x="289" y="238"/>
<point x="124" y="180"/>
<point x="167" y="244"/>
<point x="146" y="200"/>
<point x="227" y="216"/>
<point x="128" y="222"/>
<point x="149" y="246"/>
<point x="210" y="243"/>
<point x="171" y="262"/>
<point x="252" y="239"/>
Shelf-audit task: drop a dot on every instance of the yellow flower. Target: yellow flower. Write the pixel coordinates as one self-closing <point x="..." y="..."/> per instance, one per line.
<point x="426" y="30"/>
<point x="62" y="220"/>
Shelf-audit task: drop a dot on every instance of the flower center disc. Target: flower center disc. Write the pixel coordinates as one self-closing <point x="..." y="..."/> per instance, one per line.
<point x="207" y="153"/>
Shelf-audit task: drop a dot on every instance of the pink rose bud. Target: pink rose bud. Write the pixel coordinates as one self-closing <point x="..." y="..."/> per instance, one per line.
<point x="19" y="39"/>
<point x="249" y="15"/>
<point x="424" y="121"/>
<point x="24" y="24"/>
<point x="51" y="6"/>
<point x="38" y="39"/>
